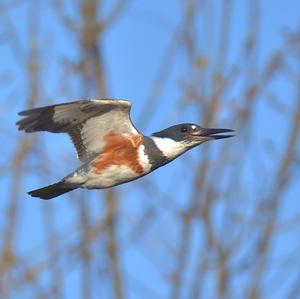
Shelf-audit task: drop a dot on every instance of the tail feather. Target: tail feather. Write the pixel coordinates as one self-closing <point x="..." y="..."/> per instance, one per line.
<point x="52" y="191"/>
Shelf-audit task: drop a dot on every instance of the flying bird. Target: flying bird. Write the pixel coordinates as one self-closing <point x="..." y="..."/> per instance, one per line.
<point x="111" y="149"/>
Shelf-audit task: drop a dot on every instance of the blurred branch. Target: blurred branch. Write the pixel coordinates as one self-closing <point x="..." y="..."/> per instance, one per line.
<point x="112" y="245"/>
<point x="21" y="154"/>
<point x="272" y="205"/>
<point x="94" y="78"/>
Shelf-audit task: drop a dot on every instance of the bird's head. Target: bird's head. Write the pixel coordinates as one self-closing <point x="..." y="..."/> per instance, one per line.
<point x="177" y="139"/>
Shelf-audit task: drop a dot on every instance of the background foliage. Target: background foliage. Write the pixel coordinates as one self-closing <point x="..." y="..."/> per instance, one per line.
<point x="221" y="221"/>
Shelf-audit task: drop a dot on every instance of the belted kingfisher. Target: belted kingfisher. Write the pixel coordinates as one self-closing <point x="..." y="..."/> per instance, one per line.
<point x="112" y="150"/>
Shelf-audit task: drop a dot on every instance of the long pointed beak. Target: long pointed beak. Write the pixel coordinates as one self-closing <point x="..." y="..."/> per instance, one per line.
<point x="211" y="134"/>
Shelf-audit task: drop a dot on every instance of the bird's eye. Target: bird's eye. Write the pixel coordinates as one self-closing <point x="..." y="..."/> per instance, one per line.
<point x="184" y="129"/>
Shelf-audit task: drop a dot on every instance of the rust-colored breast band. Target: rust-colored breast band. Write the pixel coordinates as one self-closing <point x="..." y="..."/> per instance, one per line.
<point x="119" y="150"/>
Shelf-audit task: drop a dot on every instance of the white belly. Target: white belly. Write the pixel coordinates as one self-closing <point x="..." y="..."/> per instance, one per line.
<point x="111" y="176"/>
<point x="88" y="177"/>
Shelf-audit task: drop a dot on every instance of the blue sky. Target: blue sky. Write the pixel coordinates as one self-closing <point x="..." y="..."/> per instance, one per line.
<point x="134" y="48"/>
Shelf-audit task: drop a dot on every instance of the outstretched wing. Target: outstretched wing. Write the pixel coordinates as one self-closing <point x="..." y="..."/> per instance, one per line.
<point x="86" y="121"/>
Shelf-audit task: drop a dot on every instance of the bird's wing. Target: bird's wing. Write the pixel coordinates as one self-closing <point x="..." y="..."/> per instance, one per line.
<point x="86" y="121"/>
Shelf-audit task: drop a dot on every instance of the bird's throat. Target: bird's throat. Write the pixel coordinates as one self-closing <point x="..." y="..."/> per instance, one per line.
<point x="169" y="147"/>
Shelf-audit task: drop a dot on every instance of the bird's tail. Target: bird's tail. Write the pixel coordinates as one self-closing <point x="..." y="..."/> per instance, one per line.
<point x="52" y="191"/>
